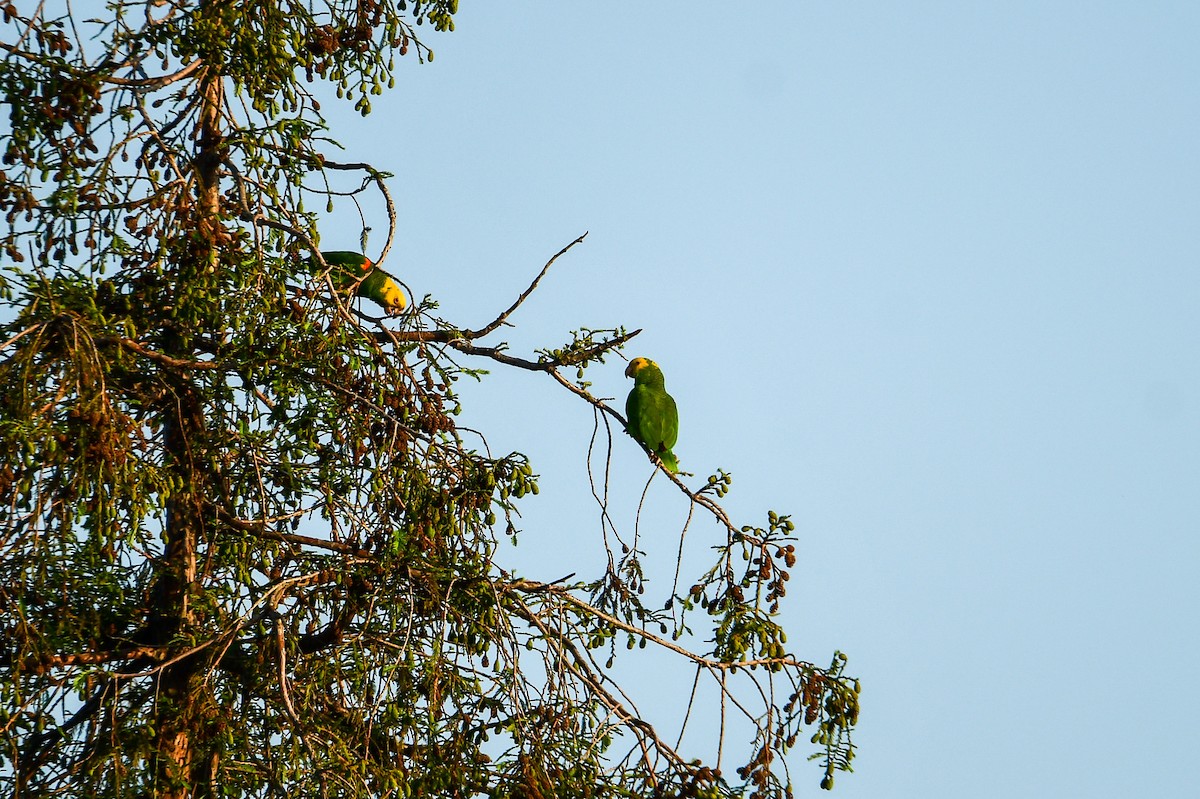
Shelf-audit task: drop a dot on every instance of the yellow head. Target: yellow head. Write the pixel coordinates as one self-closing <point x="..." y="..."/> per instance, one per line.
<point x="392" y="298"/>
<point x="637" y="365"/>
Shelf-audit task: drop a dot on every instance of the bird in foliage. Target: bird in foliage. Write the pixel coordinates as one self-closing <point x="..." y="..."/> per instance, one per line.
<point x="378" y="286"/>
<point x="653" y="417"/>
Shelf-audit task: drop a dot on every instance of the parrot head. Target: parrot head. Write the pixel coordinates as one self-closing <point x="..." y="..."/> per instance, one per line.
<point x="379" y="287"/>
<point x="392" y="298"/>
<point x="637" y="365"/>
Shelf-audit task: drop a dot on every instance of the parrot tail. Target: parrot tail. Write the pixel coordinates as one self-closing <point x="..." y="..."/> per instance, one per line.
<point x="669" y="461"/>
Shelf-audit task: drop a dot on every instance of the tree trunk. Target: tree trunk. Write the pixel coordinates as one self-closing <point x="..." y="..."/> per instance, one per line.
<point x="187" y="763"/>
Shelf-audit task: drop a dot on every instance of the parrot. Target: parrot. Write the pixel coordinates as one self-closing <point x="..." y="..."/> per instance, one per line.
<point x="378" y="286"/>
<point x="653" y="417"/>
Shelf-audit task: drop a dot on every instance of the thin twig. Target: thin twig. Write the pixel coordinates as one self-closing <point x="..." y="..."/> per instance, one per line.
<point x="378" y="178"/>
<point x="499" y="320"/>
<point x="563" y="593"/>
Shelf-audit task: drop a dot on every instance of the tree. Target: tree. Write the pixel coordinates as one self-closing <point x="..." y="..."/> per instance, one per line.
<point x="246" y="550"/>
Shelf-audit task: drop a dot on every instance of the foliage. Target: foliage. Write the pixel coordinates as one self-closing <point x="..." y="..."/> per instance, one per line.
<point x="245" y="548"/>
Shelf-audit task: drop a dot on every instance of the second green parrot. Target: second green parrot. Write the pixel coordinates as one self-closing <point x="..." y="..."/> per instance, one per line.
<point x="653" y="417"/>
<point x="378" y="286"/>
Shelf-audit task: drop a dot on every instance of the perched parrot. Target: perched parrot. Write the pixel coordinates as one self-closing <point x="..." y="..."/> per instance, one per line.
<point x="378" y="286"/>
<point x="653" y="418"/>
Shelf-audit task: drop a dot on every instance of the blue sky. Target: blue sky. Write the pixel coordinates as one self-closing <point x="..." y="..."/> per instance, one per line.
<point x="925" y="275"/>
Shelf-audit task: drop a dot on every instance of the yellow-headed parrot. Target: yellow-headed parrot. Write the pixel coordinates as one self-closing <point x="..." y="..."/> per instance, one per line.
<point x="378" y="286"/>
<point x="653" y="418"/>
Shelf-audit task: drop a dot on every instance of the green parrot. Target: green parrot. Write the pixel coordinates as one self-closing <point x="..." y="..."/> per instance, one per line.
<point x="653" y="417"/>
<point x="378" y="286"/>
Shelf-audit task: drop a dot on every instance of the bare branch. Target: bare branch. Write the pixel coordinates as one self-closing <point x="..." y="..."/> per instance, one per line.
<point x="531" y="586"/>
<point x="258" y="529"/>
<point x="378" y="178"/>
<point x="46" y="664"/>
<point x="158" y="357"/>
<point x="158" y="82"/>
<point x="499" y="320"/>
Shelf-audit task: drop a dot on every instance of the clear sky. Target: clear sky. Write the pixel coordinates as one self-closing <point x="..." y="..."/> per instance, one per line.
<point x="924" y="274"/>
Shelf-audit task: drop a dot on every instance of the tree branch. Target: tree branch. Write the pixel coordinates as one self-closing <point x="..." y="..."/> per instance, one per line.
<point x="43" y="664"/>
<point x="376" y="176"/>
<point x="258" y="529"/>
<point x="499" y="320"/>
<point x="158" y="357"/>
<point x="533" y="586"/>
<point x="155" y="83"/>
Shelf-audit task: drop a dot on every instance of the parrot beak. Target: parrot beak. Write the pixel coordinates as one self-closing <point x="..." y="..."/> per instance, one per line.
<point x="629" y="370"/>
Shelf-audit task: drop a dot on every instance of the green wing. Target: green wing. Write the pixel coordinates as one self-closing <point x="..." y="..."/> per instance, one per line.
<point x="654" y="421"/>
<point x="345" y="268"/>
<point x="350" y="261"/>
